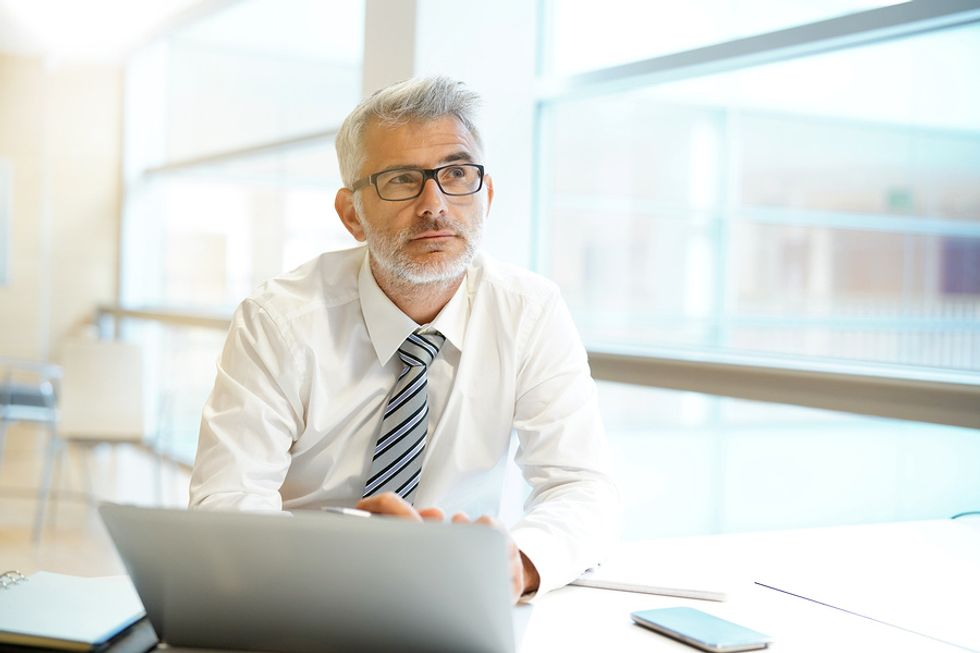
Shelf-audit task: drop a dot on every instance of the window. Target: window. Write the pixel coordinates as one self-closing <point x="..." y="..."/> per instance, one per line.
<point x="734" y="185"/>
<point x="230" y="174"/>
<point x="209" y="234"/>
<point x="693" y="464"/>
<point x="819" y="207"/>
<point x="230" y="166"/>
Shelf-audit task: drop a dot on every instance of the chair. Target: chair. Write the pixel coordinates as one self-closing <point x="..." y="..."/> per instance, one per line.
<point x="27" y="394"/>
<point x="100" y="400"/>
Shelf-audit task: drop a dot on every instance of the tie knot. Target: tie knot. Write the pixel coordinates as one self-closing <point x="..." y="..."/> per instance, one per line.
<point x="420" y="349"/>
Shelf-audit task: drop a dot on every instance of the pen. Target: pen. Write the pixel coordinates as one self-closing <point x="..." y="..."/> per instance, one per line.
<point x="351" y="512"/>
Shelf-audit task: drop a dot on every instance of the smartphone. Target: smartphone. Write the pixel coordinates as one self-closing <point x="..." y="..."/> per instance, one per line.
<point x="701" y="630"/>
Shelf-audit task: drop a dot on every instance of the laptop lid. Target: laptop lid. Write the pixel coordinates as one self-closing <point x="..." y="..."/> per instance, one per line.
<point x="315" y="581"/>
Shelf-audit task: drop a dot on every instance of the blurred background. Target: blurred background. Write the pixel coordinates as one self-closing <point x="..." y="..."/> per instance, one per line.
<point x="764" y="215"/>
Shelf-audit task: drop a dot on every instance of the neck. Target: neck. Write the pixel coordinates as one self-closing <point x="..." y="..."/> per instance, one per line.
<point x="420" y="301"/>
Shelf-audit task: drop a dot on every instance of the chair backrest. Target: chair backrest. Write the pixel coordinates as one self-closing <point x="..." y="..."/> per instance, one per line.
<point x="101" y="394"/>
<point x="27" y="390"/>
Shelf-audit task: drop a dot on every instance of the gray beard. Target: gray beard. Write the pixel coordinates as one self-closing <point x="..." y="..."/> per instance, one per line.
<point x="388" y="253"/>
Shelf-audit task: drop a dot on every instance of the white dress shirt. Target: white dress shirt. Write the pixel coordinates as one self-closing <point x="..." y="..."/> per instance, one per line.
<point x="306" y="372"/>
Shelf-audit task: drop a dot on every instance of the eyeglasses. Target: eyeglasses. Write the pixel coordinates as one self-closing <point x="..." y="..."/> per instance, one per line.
<point x="407" y="183"/>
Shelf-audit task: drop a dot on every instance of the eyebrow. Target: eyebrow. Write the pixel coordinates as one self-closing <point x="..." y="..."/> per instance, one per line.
<point x="461" y="155"/>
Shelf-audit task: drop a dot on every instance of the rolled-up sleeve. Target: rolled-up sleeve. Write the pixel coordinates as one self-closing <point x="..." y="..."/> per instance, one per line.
<point x="251" y="419"/>
<point x="573" y="513"/>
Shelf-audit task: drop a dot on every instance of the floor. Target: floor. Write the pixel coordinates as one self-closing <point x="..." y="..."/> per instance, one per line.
<point x="74" y="540"/>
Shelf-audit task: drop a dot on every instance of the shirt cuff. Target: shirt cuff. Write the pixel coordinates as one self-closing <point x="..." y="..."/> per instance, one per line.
<point x="548" y="557"/>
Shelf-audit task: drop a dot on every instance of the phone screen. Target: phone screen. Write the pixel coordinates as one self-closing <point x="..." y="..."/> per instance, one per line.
<point x="702" y="630"/>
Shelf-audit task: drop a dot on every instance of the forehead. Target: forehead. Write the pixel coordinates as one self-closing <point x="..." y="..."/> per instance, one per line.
<point x="418" y="143"/>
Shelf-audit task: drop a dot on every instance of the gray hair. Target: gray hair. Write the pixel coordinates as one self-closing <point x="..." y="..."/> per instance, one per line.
<point x="418" y="99"/>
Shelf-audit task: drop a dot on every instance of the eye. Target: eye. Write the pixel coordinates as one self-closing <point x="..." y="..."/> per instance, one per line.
<point x="403" y="178"/>
<point x="456" y="175"/>
<point x="398" y="180"/>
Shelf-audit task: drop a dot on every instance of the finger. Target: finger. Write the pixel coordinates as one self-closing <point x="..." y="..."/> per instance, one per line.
<point x="516" y="577"/>
<point x="487" y="520"/>
<point x="531" y="580"/>
<point x="461" y="518"/>
<point x="432" y="514"/>
<point x="389" y="503"/>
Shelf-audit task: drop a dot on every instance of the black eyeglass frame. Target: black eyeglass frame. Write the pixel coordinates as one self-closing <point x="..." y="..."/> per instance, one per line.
<point x="427" y="174"/>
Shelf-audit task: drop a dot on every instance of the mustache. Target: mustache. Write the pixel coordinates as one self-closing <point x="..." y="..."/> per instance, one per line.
<point x="434" y="224"/>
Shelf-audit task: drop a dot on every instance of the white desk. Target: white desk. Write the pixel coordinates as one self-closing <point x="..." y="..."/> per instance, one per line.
<point x="582" y="619"/>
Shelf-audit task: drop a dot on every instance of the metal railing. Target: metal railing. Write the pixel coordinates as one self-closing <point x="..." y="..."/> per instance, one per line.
<point x="888" y="391"/>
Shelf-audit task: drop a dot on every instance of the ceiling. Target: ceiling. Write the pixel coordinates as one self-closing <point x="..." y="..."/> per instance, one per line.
<point x="88" y="29"/>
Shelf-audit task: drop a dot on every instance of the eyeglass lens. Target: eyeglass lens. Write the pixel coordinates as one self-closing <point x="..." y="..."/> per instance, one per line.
<point x="461" y="179"/>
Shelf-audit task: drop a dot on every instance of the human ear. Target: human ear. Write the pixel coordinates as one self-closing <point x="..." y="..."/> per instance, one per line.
<point x="344" y="204"/>
<point x="488" y="182"/>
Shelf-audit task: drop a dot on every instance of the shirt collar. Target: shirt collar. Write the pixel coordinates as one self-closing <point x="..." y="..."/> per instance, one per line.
<point x="388" y="326"/>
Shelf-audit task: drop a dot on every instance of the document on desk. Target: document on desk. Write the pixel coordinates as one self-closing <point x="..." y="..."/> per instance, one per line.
<point x="598" y="579"/>
<point x="631" y="575"/>
<point x="922" y="578"/>
<point x="69" y="613"/>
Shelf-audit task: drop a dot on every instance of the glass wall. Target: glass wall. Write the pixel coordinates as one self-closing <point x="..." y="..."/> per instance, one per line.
<point x="179" y="366"/>
<point x="692" y="464"/>
<point x="826" y="206"/>
<point x="230" y="175"/>
<point x="208" y="234"/>
<point x="786" y="209"/>
<point x="230" y="165"/>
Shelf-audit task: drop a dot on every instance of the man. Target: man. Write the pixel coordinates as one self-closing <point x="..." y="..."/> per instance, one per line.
<point x="391" y="377"/>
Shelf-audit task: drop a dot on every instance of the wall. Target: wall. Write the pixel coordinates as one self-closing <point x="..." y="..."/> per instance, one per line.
<point x="21" y="105"/>
<point x="490" y="47"/>
<point x="60" y="130"/>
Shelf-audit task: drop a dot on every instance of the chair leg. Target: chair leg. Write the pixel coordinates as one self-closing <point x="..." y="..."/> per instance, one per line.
<point x="51" y="455"/>
<point x="84" y="464"/>
<point x="3" y="434"/>
<point x="57" y="484"/>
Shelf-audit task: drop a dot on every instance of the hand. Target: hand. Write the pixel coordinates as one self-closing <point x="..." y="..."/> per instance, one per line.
<point x="523" y="574"/>
<point x="389" y="503"/>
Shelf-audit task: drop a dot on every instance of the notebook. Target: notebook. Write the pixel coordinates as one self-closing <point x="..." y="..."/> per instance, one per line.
<point x="606" y="578"/>
<point x="69" y="613"/>
<point x="314" y="581"/>
<point x="631" y="568"/>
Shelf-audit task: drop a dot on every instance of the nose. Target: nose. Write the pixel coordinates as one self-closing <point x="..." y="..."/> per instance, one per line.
<point x="432" y="201"/>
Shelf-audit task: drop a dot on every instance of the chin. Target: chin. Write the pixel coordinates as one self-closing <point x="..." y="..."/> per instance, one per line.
<point x="434" y="267"/>
<point x="420" y="263"/>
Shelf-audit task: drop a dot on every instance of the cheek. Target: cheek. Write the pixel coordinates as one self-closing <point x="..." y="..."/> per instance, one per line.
<point x="478" y="213"/>
<point x="382" y="220"/>
<point x="470" y="209"/>
<point x="392" y="230"/>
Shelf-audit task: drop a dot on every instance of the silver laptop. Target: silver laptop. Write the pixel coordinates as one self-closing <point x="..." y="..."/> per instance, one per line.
<point x="315" y="581"/>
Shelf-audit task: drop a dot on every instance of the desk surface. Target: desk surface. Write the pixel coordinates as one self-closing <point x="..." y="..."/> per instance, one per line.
<point x="576" y="618"/>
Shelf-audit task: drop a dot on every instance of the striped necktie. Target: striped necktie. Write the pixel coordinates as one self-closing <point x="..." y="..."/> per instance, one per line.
<point x="396" y="464"/>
